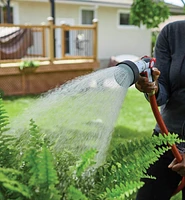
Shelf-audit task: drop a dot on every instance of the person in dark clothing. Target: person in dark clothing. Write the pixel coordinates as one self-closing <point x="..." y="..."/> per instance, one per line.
<point x="169" y="87"/>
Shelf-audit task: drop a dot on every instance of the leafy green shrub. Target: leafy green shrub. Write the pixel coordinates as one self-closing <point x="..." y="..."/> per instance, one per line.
<point x="36" y="171"/>
<point x="38" y="167"/>
<point x="120" y="176"/>
<point x="9" y="177"/>
<point x="1" y="93"/>
<point x="28" y="63"/>
<point x="146" y="12"/>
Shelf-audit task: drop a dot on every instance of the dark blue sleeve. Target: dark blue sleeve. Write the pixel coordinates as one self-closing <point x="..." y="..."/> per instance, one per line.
<point x="163" y="61"/>
<point x="162" y="96"/>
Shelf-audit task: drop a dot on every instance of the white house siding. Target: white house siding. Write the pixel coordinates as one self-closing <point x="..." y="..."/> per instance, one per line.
<point x="33" y="13"/>
<point x="112" y="40"/>
<point x="114" y="1"/>
<point x="38" y="12"/>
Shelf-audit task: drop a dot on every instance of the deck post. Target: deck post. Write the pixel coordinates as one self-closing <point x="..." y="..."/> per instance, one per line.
<point x="95" y="39"/>
<point x="63" y="40"/>
<point x="51" y="41"/>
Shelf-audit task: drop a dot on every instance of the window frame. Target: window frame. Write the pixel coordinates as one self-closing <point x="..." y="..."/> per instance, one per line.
<point x="87" y="9"/>
<point x="125" y="26"/>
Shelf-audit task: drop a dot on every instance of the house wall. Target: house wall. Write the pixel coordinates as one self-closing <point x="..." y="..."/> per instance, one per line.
<point x="112" y="40"/>
<point x="38" y="12"/>
<point x="32" y="12"/>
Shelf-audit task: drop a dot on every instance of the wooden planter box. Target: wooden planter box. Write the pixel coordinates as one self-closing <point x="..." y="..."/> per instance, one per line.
<point x="14" y="81"/>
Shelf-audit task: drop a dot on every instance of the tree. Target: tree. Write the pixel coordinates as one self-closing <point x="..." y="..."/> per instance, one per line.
<point x="149" y="13"/>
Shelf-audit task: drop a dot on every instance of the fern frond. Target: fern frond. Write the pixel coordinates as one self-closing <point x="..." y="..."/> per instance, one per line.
<point x="42" y="176"/>
<point x="47" y="172"/>
<point x="4" y="119"/>
<point x="9" y="180"/>
<point x="36" y="139"/>
<point x="75" y="194"/>
<point x="120" y="192"/>
<point x="87" y="160"/>
<point x="129" y="162"/>
<point x="7" y="149"/>
<point x="65" y="165"/>
<point x="169" y="139"/>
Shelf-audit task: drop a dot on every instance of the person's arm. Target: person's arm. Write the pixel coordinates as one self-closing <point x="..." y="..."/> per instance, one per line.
<point x="160" y="73"/>
<point x="163" y="61"/>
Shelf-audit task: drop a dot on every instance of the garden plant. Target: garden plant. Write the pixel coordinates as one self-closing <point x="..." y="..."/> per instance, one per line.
<point x="36" y="171"/>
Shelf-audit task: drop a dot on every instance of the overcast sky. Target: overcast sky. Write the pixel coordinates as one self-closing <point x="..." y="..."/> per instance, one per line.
<point x="176" y="2"/>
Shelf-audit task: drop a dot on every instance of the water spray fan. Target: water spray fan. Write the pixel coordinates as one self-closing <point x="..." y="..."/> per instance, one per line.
<point x="144" y="67"/>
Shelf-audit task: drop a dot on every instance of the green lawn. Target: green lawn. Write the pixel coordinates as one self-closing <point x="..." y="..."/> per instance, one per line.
<point x="135" y="116"/>
<point x="136" y="119"/>
<point x="16" y="105"/>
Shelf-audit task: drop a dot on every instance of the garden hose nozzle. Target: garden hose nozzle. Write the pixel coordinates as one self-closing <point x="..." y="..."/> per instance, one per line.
<point x="141" y="67"/>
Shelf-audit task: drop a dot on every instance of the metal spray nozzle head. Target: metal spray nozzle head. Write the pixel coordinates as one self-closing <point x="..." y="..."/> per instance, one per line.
<point x="128" y="67"/>
<point x="135" y="69"/>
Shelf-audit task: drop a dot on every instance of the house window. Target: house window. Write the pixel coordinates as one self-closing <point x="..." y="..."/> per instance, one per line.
<point x="124" y="19"/>
<point x="4" y="15"/>
<point x="87" y="16"/>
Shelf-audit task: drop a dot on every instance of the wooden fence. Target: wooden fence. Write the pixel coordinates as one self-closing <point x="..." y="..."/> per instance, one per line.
<point x="47" y="42"/>
<point x="63" y="52"/>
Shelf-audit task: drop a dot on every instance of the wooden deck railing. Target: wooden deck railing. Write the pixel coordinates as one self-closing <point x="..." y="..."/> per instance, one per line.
<point x="47" y="42"/>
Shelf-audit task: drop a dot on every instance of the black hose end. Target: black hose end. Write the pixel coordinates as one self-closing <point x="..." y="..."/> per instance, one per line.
<point x="134" y="68"/>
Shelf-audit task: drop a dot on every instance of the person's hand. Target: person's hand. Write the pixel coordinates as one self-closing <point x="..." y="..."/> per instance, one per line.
<point x="143" y="85"/>
<point x="178" y="167"/>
